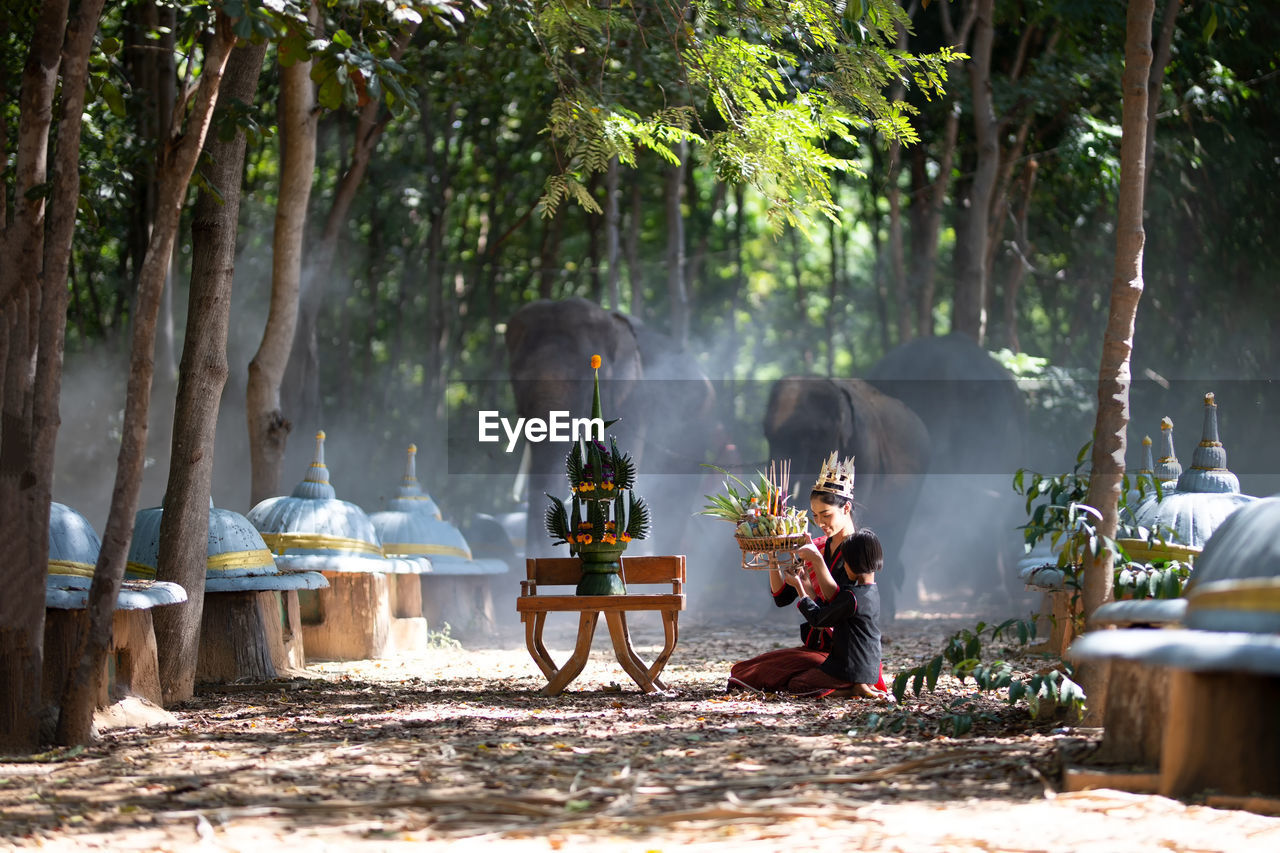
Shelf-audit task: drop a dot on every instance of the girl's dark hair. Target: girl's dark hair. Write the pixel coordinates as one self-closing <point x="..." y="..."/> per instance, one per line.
<point x="862" y="552"/>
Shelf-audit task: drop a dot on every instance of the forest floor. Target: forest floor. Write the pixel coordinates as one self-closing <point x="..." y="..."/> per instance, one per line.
<point x="454" y="746"/>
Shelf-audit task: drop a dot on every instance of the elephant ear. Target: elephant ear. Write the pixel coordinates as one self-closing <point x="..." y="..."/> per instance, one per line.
<point x="846" y="426"/>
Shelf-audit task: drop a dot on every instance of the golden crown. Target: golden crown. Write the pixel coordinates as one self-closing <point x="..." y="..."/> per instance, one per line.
<point x="836" y="477"/>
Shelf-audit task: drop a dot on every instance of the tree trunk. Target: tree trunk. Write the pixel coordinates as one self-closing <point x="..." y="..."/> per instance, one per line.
<point x="184" y="526"/>
<point x="635" y="224"/>
<point x="930" y="197"/>
<point x="969" y="314"/>
<point x="1164" y="46"/>
<point x="879" y="287"/>
<point x="677" y="290"/>
<point x="4" y="136"/>
<point x="33" y="303"/>
<point x="612" y="236"/>
<point x="302" y="373"/>
<point x="268" y="426"/>
<point x="1022" y="257"/>
<point x="437" y="321"/>
<point x="178" y="160"/>
<point x="897" y="257"/>
<point x="1105" y="479"/>
<point x="835" y="234"/>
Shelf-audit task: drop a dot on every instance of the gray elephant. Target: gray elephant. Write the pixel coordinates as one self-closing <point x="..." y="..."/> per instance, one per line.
<point x="808" y="417"/>
<point x="664" y="402"/>
<point x="977" y="420"/>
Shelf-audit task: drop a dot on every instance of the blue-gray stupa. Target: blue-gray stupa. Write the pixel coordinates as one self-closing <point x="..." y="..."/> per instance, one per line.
<point x="73" y="552"/>
<point x="311" y="529"/>
<point x="237" y="558"/>
<point x="1205" y="494"/>
<point x="409" y="528"/>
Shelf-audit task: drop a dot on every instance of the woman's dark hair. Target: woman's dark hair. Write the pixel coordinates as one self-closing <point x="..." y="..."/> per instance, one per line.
<point x="862" y="552"/>
<point x="831" y="500"/>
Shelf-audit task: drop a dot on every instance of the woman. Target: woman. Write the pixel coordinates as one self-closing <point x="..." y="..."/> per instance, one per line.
<point x="831" y="503"/>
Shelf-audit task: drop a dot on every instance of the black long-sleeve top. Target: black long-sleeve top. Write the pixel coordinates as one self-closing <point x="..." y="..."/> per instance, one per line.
<point x="855" y="642"/>
<point x="818" y="639"/>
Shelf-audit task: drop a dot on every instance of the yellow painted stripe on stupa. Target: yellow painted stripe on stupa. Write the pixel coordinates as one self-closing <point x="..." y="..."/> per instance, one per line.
<point x="1254" y="595"/>
<point x="232" y="560"/>
<point x="415" y="548"/>
<point x="1138" y="549"/>
<point x="281" y="542"/>
<point x="145" y="571"/>
<point x="70" y="567"/>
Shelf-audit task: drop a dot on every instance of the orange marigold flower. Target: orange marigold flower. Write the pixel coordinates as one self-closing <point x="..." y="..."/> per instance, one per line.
<point x="595" y="362"/>
<point x="609" y="539"/>
<point x="625" y="537"/>
<point x="585" y="539"/>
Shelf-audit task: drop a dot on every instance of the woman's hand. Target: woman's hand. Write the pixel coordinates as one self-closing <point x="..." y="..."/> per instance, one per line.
<point x="809" y="553"/>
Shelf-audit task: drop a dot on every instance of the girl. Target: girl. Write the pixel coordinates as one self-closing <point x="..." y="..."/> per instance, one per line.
<point x="852" y="668"/>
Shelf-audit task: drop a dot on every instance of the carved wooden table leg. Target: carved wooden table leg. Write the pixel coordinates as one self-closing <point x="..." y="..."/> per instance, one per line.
<point x="533" y="623"/>
<point x="671" y="632"/>
<point x="626" y="655"/>
<point x="567" y="673"/>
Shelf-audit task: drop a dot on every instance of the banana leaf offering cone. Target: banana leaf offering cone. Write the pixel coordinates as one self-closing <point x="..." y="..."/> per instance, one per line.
<point x="603" y="514"/>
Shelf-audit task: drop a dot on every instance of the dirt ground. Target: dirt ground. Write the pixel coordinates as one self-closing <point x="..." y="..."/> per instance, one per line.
<point x="454" y="746"/>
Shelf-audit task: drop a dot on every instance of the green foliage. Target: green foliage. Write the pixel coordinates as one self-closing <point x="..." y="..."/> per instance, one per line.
<point x="354" y="65"/>
<point x="443" y="640"/>
<point x="1057" y="513"/>
<point x="782" y="81"/>
<point x="1045" y="691"/>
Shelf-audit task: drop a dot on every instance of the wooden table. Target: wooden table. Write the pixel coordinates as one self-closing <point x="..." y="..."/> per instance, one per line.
<point x="533" y="608"/>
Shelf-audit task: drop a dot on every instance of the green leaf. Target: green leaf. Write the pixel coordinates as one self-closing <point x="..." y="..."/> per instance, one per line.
<point x="932" y="671"/>
<point x="900" y="684"/>
<point x="330" y="94"/>
<point x="111" y="46"/>
<point x="115" y="101"/>
<point x="343" y="39"/>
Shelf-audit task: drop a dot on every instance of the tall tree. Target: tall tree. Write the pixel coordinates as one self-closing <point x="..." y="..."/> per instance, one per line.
<point x="1114" y="372"/>
<point x="178" y="161"/>
<point x="268" y="426"/>
<point x="202" y="374"/>
<point x="969" y="310"/>
<point x="35" y="246"/>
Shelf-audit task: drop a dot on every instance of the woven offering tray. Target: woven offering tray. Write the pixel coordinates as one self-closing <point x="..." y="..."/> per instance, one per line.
<point x="769" y="552"/>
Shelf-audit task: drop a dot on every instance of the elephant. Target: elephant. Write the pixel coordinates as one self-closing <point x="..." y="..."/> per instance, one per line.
<point x="977" y="420"/>
<point x="665" y="404"/>
<point x="808" y="417"/>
